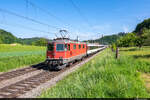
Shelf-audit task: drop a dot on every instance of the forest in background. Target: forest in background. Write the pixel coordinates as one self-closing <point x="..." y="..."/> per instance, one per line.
<point x="9" y="38"/>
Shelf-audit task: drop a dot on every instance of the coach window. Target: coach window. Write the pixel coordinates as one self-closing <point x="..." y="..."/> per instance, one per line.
<point x="83" y="45"/>
<point x="68" y="47"/>
<point x="60" y="47"/>
<point x="79" y="46"/>
<point x="74" y="46"/>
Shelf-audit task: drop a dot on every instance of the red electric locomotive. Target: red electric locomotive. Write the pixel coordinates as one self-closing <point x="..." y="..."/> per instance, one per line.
<point x="63" y="51"/>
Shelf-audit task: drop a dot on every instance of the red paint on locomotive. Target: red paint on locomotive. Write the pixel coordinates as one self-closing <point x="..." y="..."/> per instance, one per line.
<point x="62" y="51"/>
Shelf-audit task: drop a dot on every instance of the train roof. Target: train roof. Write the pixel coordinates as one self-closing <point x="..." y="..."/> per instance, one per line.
<point x="67" y="40"/>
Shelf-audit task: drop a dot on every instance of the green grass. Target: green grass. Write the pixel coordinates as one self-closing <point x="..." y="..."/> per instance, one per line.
<point x="140" y="56"/>
<point x="104" y="77"/>
<point x="12" y="57"/>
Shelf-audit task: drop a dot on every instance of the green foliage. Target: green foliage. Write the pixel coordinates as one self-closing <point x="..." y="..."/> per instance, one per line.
<point x="7" y="37"/>
<point x="19" y="56"/>
<point x="141" y="26"/>
<point x="146" y="35"/>
<point x="29" y="41"/>
<point x="127" y="40"/>
<point x="40" y="42"/>
<point x="103" y="77"/>
<point x="1" y="41"/>
<point x="131" y="39"/>
<point x="114" y="47"/>
<point x="143" y="30"/>
<point x="139" y="41"/>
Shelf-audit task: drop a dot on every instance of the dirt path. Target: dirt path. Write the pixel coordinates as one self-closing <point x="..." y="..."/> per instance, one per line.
<point x="146" y="78"/>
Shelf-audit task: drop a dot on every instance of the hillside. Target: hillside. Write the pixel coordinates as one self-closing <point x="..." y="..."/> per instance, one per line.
<point x="8" y="38"/>
<point x="28" y="41"/>
<point x="109" y="39"/>
<point x="141" y="26"/>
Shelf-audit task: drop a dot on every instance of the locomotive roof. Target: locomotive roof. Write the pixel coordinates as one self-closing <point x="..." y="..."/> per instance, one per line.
<point x="66" y="40"/>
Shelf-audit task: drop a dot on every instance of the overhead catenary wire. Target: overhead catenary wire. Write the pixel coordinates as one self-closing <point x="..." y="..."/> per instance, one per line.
<point x="83" y="17"/>
<point x="80" y="13"/>
<point x="25" y="27"/>
<point x="47" y="12"/>
<point x="27" y="18"/>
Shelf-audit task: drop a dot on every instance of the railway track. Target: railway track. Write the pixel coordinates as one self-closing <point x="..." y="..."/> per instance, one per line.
<point x="20" y="72"/>
<point x="23" y="86"/>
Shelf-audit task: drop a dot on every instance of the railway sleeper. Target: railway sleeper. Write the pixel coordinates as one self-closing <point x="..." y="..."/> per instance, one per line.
<point x="3" y="95"/>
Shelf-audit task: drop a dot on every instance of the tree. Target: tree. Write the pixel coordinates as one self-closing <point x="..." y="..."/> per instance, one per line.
<point x="139" y="41"/>
<point x="141" y="26"/>
<point x="127" y="40"/>
<point x="146" y="34"/>
<point x="7" y="37"/>
<point x="40" y="42"/>
<point x="1" y="41"/>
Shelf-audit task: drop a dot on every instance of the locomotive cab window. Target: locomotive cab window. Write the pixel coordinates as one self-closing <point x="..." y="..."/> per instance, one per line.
<point x="68" y="47"/>
<point x="74" y="46"/>
<point x="83" y="46"/>
<point x="50" y="47"/>
<point x="79" y="46"/>
<point x="60" y="47"/>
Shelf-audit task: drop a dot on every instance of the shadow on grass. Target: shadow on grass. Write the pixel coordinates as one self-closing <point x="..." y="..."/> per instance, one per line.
<point x="141" y="56"/>
<point x="132" y="49"/>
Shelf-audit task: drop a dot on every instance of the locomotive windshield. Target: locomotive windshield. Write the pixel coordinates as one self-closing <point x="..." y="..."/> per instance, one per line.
<point x="50" y="47"/>
<point x="60" y="47"/>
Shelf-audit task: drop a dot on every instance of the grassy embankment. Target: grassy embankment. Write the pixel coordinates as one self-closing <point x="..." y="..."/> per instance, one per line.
<point x="105" y="76"/>
<point x="16" y="56"/>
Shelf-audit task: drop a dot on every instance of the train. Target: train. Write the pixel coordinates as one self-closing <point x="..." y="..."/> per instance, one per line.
<point x="62" y="52"/>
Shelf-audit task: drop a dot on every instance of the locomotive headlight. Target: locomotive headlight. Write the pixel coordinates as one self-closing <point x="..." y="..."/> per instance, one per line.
<point x="60" y="57"/>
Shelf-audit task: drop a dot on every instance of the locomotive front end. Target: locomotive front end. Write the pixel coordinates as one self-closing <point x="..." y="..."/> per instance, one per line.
<point x="53" y="59"/>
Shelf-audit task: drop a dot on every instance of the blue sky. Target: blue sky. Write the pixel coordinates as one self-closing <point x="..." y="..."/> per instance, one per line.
<point x="105" y="17"/>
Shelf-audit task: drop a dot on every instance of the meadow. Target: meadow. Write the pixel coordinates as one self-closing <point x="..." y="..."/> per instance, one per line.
<point x="17" y="56"/>
<point x="106" y="77"/>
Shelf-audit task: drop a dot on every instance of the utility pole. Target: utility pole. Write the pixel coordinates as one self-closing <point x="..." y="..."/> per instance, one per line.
<point x="77" y="38"/>
<point x="102" y="39"/>
<point x="99" y="38"/>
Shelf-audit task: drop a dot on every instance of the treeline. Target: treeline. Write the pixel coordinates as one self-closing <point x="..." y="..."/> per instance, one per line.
<point x="139" y="37"/>
<point x="107" y="40"/>
<point x="9" y="38"/>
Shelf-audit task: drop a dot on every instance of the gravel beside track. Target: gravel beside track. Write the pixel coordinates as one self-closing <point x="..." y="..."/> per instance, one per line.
<point x="19" y="72"/>
<point x="19" y="78"/>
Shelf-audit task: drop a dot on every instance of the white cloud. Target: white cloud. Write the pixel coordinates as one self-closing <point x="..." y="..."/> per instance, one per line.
<point x="125" y="29"/>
